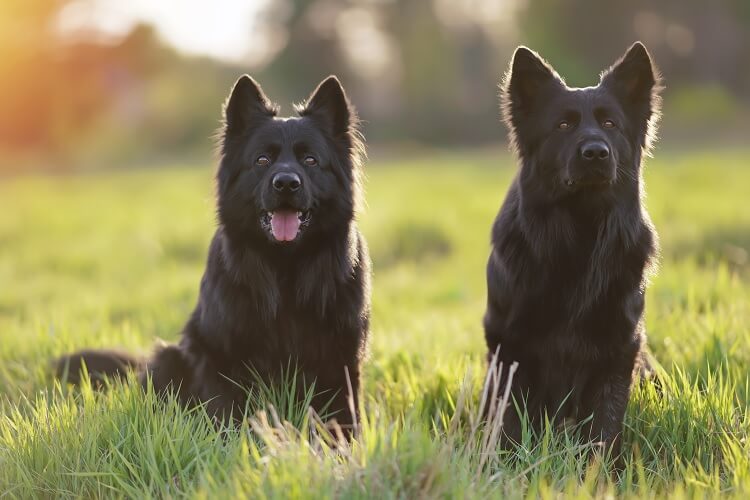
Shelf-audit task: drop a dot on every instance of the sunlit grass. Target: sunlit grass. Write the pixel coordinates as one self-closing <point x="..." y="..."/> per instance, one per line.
<point x="114" y="259"/>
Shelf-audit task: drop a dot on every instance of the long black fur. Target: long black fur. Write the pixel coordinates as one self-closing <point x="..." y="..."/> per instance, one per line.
<point x="263" y="303"/>
<point x="573" y="245"/>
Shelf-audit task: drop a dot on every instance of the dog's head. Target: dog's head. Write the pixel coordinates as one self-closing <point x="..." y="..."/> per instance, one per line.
<point x="582" y="139"/>
<point x="285" y="180"/>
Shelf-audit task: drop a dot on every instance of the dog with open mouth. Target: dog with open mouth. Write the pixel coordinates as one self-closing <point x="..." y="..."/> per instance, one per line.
<point x="287" y="281"/>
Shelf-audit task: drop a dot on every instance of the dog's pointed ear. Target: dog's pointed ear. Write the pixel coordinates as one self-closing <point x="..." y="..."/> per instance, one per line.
<point x="246" y="105"/>
<point x="529" y="74"/>
<point x="329" y="105"/>
<point x="636" y="82"/>
<point x="633" y="77"/>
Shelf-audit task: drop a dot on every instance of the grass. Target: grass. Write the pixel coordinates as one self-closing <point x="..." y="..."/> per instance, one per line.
<point x="114" y="259"/>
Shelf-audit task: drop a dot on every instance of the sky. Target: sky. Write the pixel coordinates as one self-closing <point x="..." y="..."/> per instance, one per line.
<point x="222" y="29"/>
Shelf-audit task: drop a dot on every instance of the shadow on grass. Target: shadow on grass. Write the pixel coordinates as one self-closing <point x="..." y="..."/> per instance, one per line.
<point x="185" y="251"/>
<point x="414" y="242"/>
<point x="727" y="244"/>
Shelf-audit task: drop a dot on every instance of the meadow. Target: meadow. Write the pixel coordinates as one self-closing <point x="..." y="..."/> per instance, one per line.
<point x="114" y="259"/>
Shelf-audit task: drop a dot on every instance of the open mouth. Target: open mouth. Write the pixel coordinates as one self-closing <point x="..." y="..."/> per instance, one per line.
<point x="285" y="225"/>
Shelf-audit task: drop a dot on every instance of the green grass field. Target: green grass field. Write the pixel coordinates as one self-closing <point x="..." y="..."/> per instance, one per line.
<point x="114" y="259"/>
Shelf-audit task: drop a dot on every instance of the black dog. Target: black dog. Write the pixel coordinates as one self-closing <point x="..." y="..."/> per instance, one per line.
<point x="572" y="244"/>
<point x="287" y="278"/>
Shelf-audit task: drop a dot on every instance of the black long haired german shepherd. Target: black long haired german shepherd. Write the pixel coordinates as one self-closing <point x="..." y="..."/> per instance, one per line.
<point x="288" y="273"/>
<point x="573" y="243"/>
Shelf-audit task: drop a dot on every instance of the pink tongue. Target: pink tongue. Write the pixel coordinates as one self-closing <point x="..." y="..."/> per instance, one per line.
<point x="284" y="225"/>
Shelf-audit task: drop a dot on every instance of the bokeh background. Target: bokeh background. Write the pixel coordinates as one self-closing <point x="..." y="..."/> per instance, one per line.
<point x="107" y="112"/>
<point x="105" y="83"/>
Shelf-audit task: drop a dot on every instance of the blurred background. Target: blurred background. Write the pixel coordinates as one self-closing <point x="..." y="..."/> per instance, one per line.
<point x="107" y="112"/>
<point x="107" y="83"/>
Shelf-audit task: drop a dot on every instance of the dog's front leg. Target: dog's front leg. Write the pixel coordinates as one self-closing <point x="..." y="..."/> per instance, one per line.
<point x="607" y="400"/>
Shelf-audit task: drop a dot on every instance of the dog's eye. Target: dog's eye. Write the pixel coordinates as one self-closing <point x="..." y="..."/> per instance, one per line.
<point x="263" y="161"/>
<point x="563" y="125"/>
<point x="310" y="161"/>
<point x="608" y="124"/>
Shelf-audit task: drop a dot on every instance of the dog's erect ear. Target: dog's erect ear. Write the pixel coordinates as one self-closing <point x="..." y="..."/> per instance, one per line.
<point x="246" y="106"/>
<point x="636" y="82"/>
<point x="633" y="77"/>
<point x="529" y="74"/>
<point x="329" y="105"/>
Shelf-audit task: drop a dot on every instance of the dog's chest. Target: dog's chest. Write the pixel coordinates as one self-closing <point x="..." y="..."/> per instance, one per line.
<point x="301" y="333"/>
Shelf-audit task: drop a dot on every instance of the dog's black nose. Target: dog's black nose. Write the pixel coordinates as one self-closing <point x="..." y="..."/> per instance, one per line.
<point x="286" y="182"/>
<point x="594" y="150"/>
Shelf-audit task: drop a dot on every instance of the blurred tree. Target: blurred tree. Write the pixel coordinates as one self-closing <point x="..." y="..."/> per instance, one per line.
<point x="692" y="40"/>
<point x="418" y="70"/>
<point x="312" y="50"/>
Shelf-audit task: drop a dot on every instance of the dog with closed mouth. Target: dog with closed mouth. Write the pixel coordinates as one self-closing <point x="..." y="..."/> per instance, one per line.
<point x="287" y="281"/>
<point x="572" y="245"/>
